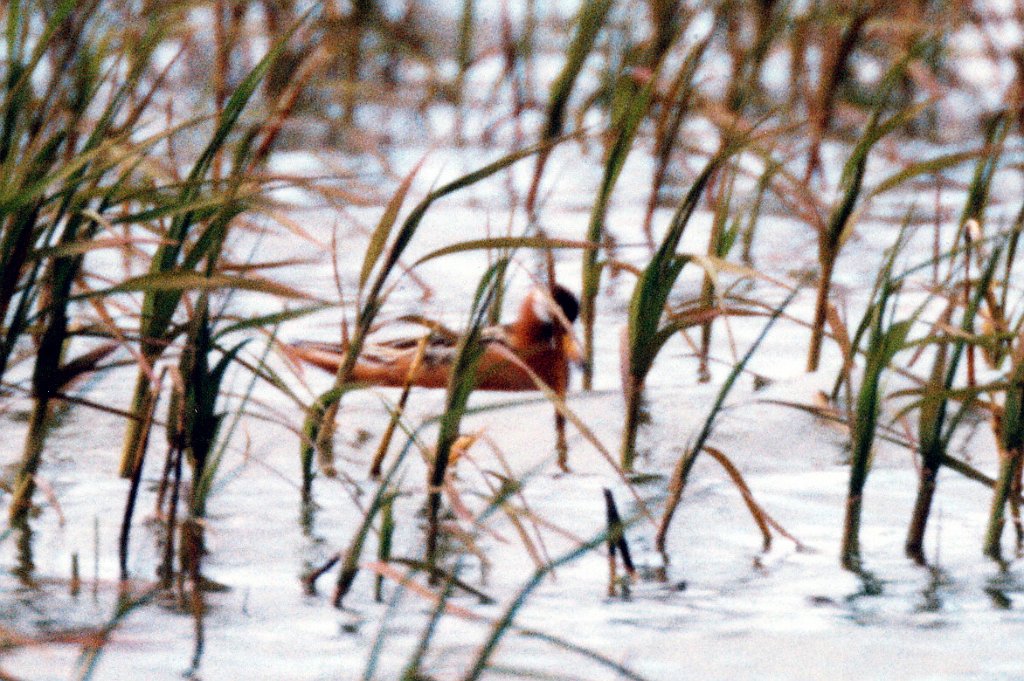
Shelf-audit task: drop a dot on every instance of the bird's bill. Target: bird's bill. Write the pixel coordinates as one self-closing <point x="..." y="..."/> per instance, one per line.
<point x="572" y="350"/>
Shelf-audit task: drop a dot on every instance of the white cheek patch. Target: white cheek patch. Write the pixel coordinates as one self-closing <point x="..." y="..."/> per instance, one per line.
<point x="541" y="309"/>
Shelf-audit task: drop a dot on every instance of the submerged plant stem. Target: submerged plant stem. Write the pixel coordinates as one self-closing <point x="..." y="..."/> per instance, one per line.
<point x="25" y="483"/>
<point x="926" y="486"/>
<point x="1009" y="472"/>
<point x="820" y="311"/>
<point x="634" y="409"/>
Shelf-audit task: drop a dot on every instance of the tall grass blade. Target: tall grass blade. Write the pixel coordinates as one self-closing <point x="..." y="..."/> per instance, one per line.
<point x="645" y="333"/>
<point x="681" y="471"/>
<point x="461" y="384"/>
<point x="589" y="21"/>
<point x="883" y="345"/>
<point x="833" y="236"/>
<point x="636" y="98"/>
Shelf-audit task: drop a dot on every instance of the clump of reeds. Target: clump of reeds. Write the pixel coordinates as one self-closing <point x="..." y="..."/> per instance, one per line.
<point x="886" y="338"/>
<point x="461" y="384"/>
<point x="68" y="152"/>
<point x="935" y="428"/>
<point x="833" y="235"/>
<point x="646" y="333"/>
<point x="79" y="174"/>
<point x="1009" y="426"/>
<point x="1005" y="343"/>
<point x="195" y="239"/>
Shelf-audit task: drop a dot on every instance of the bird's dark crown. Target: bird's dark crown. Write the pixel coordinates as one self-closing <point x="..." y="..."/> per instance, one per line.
<point x="567" y="301"/>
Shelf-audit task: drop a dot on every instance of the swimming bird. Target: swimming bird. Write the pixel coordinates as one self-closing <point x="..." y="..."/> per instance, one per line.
<point x="539" y="342"/>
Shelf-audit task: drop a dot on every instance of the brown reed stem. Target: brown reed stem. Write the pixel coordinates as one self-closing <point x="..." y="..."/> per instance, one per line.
<point x="1009" y="471"/>
<point x="760" y="517"/>
<point x="141" y="404"/>
<point x="561" y="444"/>
<point x="851" y="533"/>
<point x="927" y="483"/>
<point x="167" y="568"/>
<point x="25" y="482"/>
<point x="634" y="406"/>
<point x="820" y="311"/>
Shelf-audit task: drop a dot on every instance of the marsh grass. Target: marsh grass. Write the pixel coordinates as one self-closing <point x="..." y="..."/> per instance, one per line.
<point x="841" y="223"/>
<point x="194" y="242"/>
<point x="97" y="164"/>
<point x="461" y="384"/>
<point x="588" y="24"/>
<point x="935" y="431"/>
<point x="684" y="464"/>
<point x="633" y="98"/>
<point x="886" y="338"/>
<point x="646" y="334"/>
<point x="55" y="201"/>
